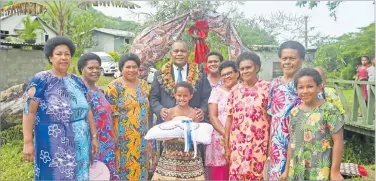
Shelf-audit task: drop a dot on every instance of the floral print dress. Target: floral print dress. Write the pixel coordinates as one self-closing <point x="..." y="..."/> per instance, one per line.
<point x="283" y="97"/>
<point x="311" y="141"/>
<point x="130" y="111"/>
<point x="61" y="130"/>
<point x="103" y="118"/>
<point x="249" y="133"/>
<point x="215" y="150"/>
<point x="332" y="97"/>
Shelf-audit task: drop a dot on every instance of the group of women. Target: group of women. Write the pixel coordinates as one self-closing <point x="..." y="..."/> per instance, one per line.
<point x="73" y="121"/>
<point x="61" y="107"/>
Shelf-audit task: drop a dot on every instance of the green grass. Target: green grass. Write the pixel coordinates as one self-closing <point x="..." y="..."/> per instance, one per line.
<point x="349" y="95"/>
<point x="104" y="81"/>
<point x="12" y="166"/>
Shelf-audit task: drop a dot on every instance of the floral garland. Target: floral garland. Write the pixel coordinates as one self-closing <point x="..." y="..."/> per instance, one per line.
<point x="169" y="84"/>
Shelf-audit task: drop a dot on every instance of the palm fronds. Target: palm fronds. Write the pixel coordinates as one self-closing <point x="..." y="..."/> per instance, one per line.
<point x="117" y="3"/>
<point x="23" y="8"/>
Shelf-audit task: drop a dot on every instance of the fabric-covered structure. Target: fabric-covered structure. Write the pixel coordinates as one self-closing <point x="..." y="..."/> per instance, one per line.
<point x="153" y="43"/>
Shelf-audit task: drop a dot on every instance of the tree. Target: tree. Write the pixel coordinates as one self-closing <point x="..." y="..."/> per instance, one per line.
<point x="117" y="23"/>
<point x="81" y="30"/>
<point x="167" y="10"/>
<point x="30" y="26"/>
<point x="283" y="27"/>
<point x="60" y="11"/>
<point x="114" y="55"/>
<point x="332" y="6"/>
<point x="341" y="56"/>
<point x="250" y="35"/>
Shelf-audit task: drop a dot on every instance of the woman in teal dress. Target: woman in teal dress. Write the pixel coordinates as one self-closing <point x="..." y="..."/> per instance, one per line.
<point x="57" y="110"/>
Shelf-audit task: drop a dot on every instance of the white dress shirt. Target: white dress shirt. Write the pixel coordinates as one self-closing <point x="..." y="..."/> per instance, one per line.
<point x="183" y="72"/>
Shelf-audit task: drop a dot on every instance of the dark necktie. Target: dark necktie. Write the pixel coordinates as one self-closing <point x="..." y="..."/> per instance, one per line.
<point x="180" y="75"/>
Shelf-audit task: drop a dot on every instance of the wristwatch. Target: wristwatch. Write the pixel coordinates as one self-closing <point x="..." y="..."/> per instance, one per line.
<point x="94" y="136"/>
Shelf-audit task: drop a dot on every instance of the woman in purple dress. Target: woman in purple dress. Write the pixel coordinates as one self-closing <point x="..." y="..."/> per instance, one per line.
<point x="89" y="66"/>
<point x="58" y="112"/>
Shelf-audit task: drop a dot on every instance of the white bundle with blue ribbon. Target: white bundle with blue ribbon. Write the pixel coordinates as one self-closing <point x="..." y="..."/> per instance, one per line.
<point x="182" y="127"/>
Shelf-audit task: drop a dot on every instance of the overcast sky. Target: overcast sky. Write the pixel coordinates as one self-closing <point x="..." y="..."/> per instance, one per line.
<point x="350" y="14"/>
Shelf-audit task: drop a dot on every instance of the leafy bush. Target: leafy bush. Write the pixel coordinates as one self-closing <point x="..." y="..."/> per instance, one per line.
<point x="114" y="55"/>
<point x="13" y="39"/>
<point x="125" y="48"/>
<point x="11" y="134"/>
<point x="355" y="150"/>
<point x="30" y="27"/>
<point x="161" y="62"/>
<point x="347" y="73"/>
<point x="12" y="165"/>
<point x="333" y="75"/>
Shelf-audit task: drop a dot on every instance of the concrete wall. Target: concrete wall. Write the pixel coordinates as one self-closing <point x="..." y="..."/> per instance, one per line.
<point x="19" y="66"/>
<point x="105" y="43"/>
<point x="269" y="63"/>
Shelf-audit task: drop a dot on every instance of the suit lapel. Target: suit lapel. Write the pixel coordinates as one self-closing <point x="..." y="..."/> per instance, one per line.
<point x="172" y="72"/>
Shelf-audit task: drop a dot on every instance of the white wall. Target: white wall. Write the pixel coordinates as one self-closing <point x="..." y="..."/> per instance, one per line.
<point x="9" y="23"/>
<point x="105" y="43"/>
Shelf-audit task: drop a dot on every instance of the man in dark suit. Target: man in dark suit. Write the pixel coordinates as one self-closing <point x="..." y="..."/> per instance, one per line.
<point x="162" y="89"/>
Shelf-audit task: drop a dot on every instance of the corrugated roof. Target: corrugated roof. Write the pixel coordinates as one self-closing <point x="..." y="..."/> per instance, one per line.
<point x="115" y="32"/>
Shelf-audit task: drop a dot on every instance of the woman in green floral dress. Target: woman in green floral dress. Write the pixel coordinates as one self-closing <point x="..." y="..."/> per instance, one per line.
<point x="316" y="133"/>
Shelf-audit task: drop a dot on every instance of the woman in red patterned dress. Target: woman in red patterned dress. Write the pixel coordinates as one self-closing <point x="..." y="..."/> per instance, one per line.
<point x="89" y="66"/>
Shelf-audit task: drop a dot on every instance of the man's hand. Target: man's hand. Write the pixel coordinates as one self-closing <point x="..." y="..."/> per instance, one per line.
<point x="164" y="113"/>
<point x="199" y="114"/>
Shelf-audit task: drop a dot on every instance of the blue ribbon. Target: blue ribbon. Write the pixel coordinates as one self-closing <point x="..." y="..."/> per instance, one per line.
<point x="188" y="140"/>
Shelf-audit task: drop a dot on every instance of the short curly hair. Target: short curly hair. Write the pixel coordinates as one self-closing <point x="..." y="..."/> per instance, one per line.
<point x="52" y="43"/>
<point x="219" y="55"/>
<point x="128" y="57"/>
<point x="292" y="45"/>
<point x="249" y="56"/>
<point x="82" y="62"/>
<point x="227" y="63"/>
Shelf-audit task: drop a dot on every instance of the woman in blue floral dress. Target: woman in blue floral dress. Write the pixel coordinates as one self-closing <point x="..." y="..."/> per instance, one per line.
<point x="283" y="97"/>
<point x="89" y="66"/>
<point x="57" y="110"/>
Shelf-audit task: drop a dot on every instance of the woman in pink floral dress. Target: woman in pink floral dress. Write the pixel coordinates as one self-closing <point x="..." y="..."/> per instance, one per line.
<point x="215" y="161"/>
<point x="247" y="125"/>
